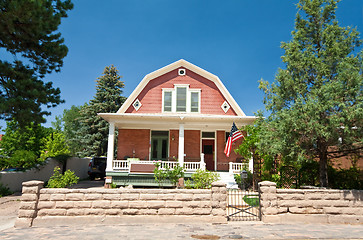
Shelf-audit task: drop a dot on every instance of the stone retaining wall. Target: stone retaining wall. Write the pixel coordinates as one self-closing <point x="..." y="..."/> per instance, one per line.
<point x="310" y="205"/>
<point x="47" y="204"/>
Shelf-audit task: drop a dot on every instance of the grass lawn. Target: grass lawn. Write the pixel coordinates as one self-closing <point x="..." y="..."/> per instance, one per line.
<point x="251" y="200"/>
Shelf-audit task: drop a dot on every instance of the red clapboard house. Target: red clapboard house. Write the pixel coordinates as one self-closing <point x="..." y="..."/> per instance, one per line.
<point x="179" y="114"/>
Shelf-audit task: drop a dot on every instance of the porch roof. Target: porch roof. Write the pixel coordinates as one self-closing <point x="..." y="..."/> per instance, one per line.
<point x="172" y="121"/>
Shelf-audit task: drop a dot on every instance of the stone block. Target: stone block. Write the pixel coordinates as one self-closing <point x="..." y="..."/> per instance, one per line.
<point x="109" y="196"/>
<point x="219" y="184"/>
<point x="82" y="204"/>
<point x="105" y="204"/>
<point x="44" y="197"/>
<point x="282" y="210"/>
<point x="184" y="197"/>
<point x="26" y="213"/>
<point x="120" y="204"/>
<point x="137" y="204"/>
<point x="55" y="212"/>
<point x="75" y="197"/>
<point x="297" y="210"/>
<point x="129" y="196"/>
<point x="155" y="204"/>
<point x="112" y="211"/>
<point x="315" y="196"/>
<point x="218" y="212"/>
<point x="148" y="212"/>
<point x="166" y="196"/>
<point x="266" y="183"/>
<point x="223" y="205"/>
<point x="23" y="222"/>
<point x="94" y="211"/>
<point x="269" y="211"/>
<point x="287" y="203"/>
<point x="351" y="211"/>
<point x="202" y="197"/>
<point x="32" y="183"/>
<point x="27" y="205"/>
<point x="202" y="211"/>
<point x="130" y="211"/>
<point x="174" y="204"/>
<point x="93" y="196"/>
<point x="57" y="197"/>
<point x="31" y="189"/>
<point x="148" y="196"/>
<point x="219" y="197"/>
<point x="46" y="204"/>
<point x="205" y="204"/>
<point x="64" y="204"/>
<point x="345" y="219"/>
<point x="191" y="204"/>
<point x="185" y="211"/>
<point x="75" y="212"/>
<point x="29" y="197"/>
<point x="340" y="203"/>
<point x="333" y="196"/>
<point x="292" y="196"/>
<point x="166" y="211"/>
<point x="332" y="210"/>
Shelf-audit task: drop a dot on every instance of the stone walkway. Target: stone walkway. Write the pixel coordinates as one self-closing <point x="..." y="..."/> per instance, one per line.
<point x="232" y="230"/>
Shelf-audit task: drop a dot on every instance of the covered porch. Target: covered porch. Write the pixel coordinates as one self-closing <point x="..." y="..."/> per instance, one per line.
<point x="191" y="141"/>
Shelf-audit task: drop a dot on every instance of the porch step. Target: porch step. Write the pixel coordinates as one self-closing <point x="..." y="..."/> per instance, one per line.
<point x="228" y="179"/>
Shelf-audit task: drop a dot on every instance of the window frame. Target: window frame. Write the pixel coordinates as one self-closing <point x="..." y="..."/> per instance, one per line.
<point x="189" y="92"/>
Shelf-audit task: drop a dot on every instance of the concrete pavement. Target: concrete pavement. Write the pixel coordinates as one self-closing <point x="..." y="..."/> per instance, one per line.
<point x="231" y="230"/>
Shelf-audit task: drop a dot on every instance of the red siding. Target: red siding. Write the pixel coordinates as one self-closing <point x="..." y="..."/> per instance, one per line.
<point x="133" y="139"/>
<point x="151" y="96"/>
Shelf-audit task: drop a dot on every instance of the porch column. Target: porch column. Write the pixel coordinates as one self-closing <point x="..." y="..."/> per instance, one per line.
<point x="181" y="145"/>
<point x="111" y="146"/>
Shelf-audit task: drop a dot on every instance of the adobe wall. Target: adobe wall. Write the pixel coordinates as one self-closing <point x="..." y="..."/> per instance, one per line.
<point x="42" y="206"/>
<point x="14" y="180"/>
<point x="310" y="205"/>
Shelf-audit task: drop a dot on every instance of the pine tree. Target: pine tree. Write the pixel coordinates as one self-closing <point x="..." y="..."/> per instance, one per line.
<point x="28" y="33"/>
<point x="316" y="103"/>
<point x="93" y="134"/>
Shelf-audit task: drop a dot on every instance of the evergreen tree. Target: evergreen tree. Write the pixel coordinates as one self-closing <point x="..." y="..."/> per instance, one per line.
<point x="316" y="103"/>
<point x="28" y="34"/>
<point x="93" y="132"/>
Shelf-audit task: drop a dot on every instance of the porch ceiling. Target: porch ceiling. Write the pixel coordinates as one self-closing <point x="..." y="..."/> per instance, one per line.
<point x="172" y="121"/>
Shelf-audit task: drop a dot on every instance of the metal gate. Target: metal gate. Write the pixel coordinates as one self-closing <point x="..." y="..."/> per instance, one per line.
<point x="243" y="205"/>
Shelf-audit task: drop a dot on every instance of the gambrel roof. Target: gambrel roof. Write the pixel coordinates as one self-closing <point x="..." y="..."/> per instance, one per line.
<point x="185" y="64"/>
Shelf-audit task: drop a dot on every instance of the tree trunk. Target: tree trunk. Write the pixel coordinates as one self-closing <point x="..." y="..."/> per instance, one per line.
<point x="323" y="169"/>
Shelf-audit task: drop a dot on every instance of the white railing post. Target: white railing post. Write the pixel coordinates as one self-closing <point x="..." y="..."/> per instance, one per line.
<point x="181" y="145"/>
<point x="202" y="162"/>
<point x="110" y="147"/>
<point x="230" y="167"/>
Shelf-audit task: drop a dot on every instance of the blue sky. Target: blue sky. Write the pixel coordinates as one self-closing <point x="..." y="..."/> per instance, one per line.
<point x="237" y="40"/>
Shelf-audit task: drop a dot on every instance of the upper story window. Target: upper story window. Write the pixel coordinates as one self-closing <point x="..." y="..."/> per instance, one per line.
<point x="181" y="99"/>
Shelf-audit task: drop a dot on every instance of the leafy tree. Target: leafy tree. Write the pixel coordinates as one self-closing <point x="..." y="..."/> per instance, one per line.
<point x="28" y="34"/>
<point x="55" y="145"/>
<point x="93" y="132"/>
<point x="316" y="103"/>
<point x="28" y="138"/>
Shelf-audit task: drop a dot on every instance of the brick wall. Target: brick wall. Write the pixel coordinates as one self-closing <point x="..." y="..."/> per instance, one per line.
<point x="310" y="205"/>
<point x="223" y="160"/>
<point x="192" y="145"/>
<point x="130" y="140"/>
<point x="41" y="205"/>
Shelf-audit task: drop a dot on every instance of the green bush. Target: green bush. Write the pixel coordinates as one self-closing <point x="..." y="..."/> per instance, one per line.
<point x="345" y="178"/>
<point x="202" y="179"/>
<point x="172" y="174"/>
<point x="4" y="191"/>
<point x="23" y="159"/>
<point x="248" y="181"/>
<point x="59" y="180"/>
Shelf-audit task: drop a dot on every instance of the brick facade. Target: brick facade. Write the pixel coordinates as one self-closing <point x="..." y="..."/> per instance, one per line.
<point x="133" y="140"/>
<point x="222" y="160"/>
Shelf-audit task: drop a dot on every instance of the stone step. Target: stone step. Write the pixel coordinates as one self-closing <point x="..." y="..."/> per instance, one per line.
<point x="228" y="179"/>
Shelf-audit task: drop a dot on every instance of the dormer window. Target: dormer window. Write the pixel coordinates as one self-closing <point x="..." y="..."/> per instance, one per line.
<point x="181" y="98"/>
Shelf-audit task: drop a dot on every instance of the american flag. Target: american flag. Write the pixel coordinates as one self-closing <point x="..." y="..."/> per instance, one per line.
<point x="233" y="136"/>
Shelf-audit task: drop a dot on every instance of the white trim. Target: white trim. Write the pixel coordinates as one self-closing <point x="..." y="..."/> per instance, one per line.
<point x="189" y="66"/>
<point x="138" y="106"/>
<point x="110" y="146"/>
<point x="188" y="96"/>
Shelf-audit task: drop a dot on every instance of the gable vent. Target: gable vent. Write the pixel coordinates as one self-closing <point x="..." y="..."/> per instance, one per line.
<point x="181" y="72"/>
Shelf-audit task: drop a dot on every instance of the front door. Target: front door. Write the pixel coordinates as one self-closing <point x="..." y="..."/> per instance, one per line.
<point x="159" y="145"/>
<point x="208" y="150"/>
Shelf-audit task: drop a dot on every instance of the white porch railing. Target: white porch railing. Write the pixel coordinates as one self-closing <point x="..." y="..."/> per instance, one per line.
<point x="124" y="165"/>
<point x="237" y="167"/>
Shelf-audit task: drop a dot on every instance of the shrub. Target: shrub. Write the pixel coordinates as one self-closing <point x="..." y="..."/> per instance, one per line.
<point x="172" y="174"/>
<point x="59" y="180"/>
<point x="23" y="159"/>
<point x="202" y="179"/>
<point x="247" y="182"/>
<point x="4" y="191"/>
